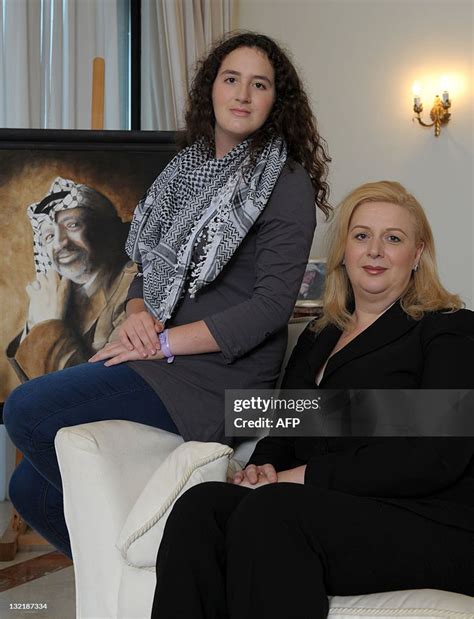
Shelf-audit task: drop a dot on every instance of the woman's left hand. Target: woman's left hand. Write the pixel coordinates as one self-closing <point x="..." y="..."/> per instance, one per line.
<point x="115" y="352"/>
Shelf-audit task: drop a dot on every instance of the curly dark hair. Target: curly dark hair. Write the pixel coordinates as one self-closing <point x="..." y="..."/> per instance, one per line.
<point x="290" y="118"/>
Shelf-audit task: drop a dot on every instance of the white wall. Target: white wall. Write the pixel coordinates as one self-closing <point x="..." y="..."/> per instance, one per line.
<point x="359" y="59"/>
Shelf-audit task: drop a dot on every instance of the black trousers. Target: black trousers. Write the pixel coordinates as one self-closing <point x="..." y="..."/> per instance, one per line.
<point x="278" y="551"/>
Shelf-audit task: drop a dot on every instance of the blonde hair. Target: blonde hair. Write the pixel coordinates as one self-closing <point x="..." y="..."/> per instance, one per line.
<point x="424" y="293"/>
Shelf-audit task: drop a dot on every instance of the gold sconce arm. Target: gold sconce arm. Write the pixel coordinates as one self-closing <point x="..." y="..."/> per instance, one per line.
<point x="439" y="113"/>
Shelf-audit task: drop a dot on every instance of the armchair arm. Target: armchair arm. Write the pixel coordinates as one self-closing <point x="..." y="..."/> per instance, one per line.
<point x="104" y="467"/>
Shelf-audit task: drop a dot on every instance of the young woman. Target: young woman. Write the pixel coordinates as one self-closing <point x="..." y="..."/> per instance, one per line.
<point x="343" y="516"/>
<point x="221" y="241"/>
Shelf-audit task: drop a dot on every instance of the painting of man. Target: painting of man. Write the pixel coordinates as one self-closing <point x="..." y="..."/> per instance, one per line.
<point x="76" y="301"/>
<point x="66" y="200"/>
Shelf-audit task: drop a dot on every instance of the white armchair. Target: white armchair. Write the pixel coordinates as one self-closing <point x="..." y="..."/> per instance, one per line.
<point x="107" y="468"/>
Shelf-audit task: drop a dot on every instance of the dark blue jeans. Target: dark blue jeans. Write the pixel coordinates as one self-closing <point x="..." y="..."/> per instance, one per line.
<point x="36" y="410"/>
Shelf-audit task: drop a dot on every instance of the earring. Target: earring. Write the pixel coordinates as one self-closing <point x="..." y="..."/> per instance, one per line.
<point x="415" y="267"/>
<point x="343" y="263"/>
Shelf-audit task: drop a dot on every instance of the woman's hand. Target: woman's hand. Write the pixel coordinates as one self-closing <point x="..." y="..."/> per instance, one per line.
<point x="255" y="476"/>
<point x="293" y="476"/>
<point x="115" y="353"/>
<point x="140" y="332"/>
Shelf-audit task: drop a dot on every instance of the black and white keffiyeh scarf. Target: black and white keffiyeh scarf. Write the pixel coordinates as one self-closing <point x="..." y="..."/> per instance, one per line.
<point x="198" y="199"/>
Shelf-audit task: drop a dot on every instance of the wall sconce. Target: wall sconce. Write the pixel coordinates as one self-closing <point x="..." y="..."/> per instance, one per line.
<point x="439" y="112"/>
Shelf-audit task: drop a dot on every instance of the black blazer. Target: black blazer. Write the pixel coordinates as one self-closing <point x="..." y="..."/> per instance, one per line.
<point x="431" y="476"/>
<point x="395" y="352"/>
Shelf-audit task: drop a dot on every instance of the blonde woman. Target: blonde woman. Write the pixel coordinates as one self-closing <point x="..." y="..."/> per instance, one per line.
<point x="343" y="516"/>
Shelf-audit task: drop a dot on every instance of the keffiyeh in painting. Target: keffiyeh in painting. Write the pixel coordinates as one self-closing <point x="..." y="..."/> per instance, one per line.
<point x="62" y="195"/>
<point x="198" y="198"/>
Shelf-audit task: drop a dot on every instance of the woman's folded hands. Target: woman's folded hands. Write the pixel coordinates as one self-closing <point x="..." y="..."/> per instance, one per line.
<point x="137" y="339"/>
<point x="254" y="476"/>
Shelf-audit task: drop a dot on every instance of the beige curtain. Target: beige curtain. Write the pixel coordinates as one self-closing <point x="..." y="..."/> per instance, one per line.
<point x="46" y="52"/>
<point x="175" y="34"/>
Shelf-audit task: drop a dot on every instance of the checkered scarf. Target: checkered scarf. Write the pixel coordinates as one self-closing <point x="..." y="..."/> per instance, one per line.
<point x="198" y="201"/>
<point x="63" y="194"/>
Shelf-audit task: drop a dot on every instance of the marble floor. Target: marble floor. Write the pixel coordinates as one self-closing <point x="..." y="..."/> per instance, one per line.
<point x="37" y="578"/>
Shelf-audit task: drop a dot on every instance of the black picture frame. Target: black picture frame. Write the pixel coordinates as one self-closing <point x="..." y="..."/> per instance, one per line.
<point x="119" y="164"/>
<point x="80" y="139"/>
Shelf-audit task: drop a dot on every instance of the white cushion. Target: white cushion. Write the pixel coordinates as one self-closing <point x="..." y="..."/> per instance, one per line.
<point x="188" y="465"/>
<point x="415" y="604"/>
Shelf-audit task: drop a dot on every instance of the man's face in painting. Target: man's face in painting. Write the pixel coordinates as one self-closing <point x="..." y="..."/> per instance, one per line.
<point x="67" y="245"/>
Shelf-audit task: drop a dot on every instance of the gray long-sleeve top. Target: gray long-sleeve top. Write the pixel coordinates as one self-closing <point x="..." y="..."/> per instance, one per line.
<point x="246" y="309"/>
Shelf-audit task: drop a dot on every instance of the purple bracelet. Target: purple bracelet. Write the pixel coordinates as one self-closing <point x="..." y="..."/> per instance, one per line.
<point x="165" y="346"/>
